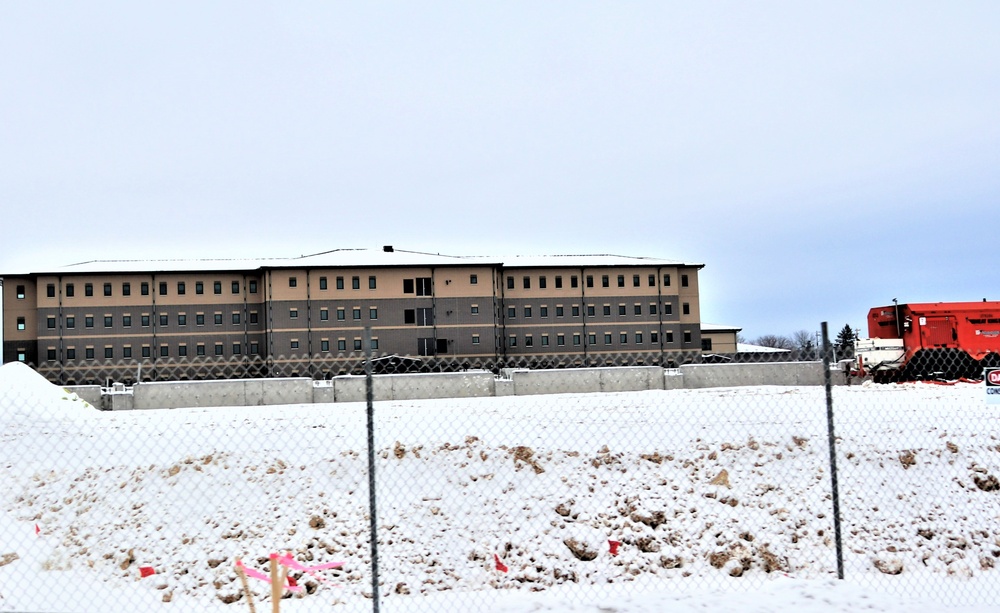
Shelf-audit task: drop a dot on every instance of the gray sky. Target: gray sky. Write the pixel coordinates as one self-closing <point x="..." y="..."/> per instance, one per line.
<point x="819" y="158"/>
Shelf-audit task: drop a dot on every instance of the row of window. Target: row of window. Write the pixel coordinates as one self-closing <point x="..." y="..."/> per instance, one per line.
<point x="589" y="279"/>
<point x="144" y="288"/>
<point x="146" y="351"/>
<point x="638" y="338"/>
<point x="543" y="311"/>
<point x="145" y="320"/>
<point x="324" y="284"/>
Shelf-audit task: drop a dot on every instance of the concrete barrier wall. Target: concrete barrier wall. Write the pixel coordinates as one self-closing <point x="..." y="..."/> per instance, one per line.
<point x="731" y="375"/>
<point x="89" y="393"/>
<point x="236" y="392"/>
<point x="251" y="392"/>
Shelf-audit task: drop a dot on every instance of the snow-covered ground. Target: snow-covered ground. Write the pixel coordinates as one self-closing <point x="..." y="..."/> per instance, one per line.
<point x="720" y="500"/>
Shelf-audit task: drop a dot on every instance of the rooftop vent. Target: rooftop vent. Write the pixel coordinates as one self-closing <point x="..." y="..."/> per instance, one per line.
<point x="387" y="248"/>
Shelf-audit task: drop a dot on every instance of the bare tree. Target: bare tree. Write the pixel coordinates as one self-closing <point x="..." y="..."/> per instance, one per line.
<point x="805" y="344"/>
<point x="775" y="341"/>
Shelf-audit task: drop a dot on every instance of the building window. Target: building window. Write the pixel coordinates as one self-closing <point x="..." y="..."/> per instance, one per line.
<point x="21" y="325"/>
<point x="108" y="321"/>
<point x="423" y="286"/>
<point x="527" y="282"/>
<point x="638" y="338"/>
<point x="164" y="351"/>
<point x="543" y="311"/>
<point x="182" y="351"/>
<point x="253" y="317"/>
<point x="706" y="344"/>
<point x="510" y="282"/>
<point x="474" y="309"/>
<point x="473" y="279"/>
<point x="652" y="308"/>
<point x="218" y="349"/>
<point x="199" y="287"/>
<point x="591" y="310"/>
<point x="341" y="345"/>
<point x="50" y="322"/>
<point x="293" y="313"/>
<point x="686" y="308"/>
<point x="529" y="341"/>
<point x="635" y="280"/>
<point x="355" y="282"/>
<point x="182" y="319"/>
<point x="575" y="310"/>
<point x="372" y="313"/>
<point x="527" y="311"/>
<point x="107" y="289"/>
<point x="70" y="353"/>
<point x="511" y="312"/>
<point x="621" y="280"/>
<point x="218" y="319"/>
<point x="684" y="280"/>
<point x="50" y="290"/>
<point x="324" y="315"/>
<point x="621" y="309"/>
<point x="199" y="319"/>
<point x="542" y="283"/>
<point x="687" y="336"/>
<point x="146" y="351"/>
<point x="371" y="282"/>
<point x="668" y="309"/>
<point x="88" y="289"/>
<point x="604" y="281"/>
<point x="590" y="280"/>
<point x="668" y="337"/>
<point x="20" y="292"/>
<point x="127" y="351"/>
<point x="340" y="314"/>
<point x="236" y="287"/>
<point x="652" y="280"/>
<point x="217" y="287"/>
<point x="623" y="338"/>
<point x="71" y="291"/>
<point x="293" y="282"/>
<point x="573" y="282"/>
<point x="253" y="286"/>
<point x="163" y="288"/>
<point x="576" y="340"/>
<point x="559" y="310"/>
<point x="592" y="338"/>
<point x="89" y="353"/>
<point x="374" y="344"/>
<point x="109" y="353"/>
<point x="545" y="340"/>
<point x="181" y="288"/>
<point x="237" y="348"/>
<point x="357" y="344"/>
<point x="512" y="341"/>
<point x="558" y="281"/>
<point x="126" y="321"/>
<point x="666" y="280"/>
<point x="560" y="339"/>
<point x="164" y="320"/>
<point x="322" y="282"/>
<point x="475" y="339"/>
<point x="236" y="318"/>
<point x="638" y="309"/>
<point x="356" y="313"/>
<point x="70" y="321"/>
<point x="88" y="321"/>
<point x="199" y="349"/>
<point x="340" y="282"/>
<point x="607" y="338"/>
<point x="324" y="345"/>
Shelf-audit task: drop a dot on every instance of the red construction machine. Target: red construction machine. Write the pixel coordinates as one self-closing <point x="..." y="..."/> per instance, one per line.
<point x="936" y="340"/>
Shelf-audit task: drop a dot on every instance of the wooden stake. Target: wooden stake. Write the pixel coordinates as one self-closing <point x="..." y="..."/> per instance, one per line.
<point x="246" y="586"/>
<point x="276" y="585"/>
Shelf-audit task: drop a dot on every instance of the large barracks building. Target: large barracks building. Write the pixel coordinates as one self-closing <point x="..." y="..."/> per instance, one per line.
<point x="318" y="315"/>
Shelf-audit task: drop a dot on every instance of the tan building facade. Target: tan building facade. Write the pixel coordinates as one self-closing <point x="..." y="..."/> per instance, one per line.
<point x="321" y="315"/>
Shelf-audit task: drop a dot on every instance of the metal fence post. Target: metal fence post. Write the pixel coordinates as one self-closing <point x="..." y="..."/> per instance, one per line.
<point x="833" y="450"/>
<point x="372" y="507"/>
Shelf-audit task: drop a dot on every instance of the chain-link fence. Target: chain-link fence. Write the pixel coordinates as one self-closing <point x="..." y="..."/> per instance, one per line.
<point x="497" y="486"/>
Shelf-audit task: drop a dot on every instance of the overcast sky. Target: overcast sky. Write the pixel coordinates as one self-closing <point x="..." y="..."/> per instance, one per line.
<point x="818" y="158"/>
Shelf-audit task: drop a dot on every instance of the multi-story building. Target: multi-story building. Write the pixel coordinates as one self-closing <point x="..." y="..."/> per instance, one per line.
<point x="320" y="315"/>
